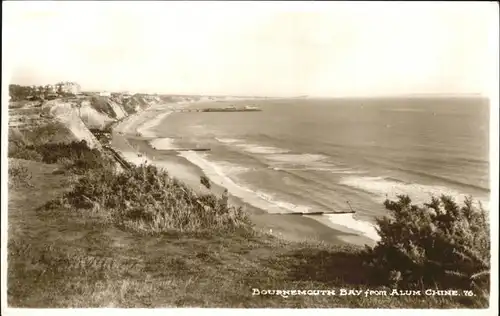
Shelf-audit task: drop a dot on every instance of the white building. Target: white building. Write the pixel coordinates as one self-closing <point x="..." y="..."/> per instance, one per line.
<point x="105" y="94"/>
<point x="126" y="94"/>
<point x="68" y="87"/>
<point x="50" y="88"/>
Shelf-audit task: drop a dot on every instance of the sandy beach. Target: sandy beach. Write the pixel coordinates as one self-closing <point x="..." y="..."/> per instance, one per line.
<point x="128" y="139"/>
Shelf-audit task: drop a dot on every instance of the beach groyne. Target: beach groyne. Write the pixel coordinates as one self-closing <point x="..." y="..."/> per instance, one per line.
<point x="209" y="110"/>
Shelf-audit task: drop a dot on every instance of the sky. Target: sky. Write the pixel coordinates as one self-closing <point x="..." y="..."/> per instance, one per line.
<point x="251" y="48"/>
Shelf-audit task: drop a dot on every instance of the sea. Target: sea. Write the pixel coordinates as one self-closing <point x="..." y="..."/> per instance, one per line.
<point x="338" y="155"/>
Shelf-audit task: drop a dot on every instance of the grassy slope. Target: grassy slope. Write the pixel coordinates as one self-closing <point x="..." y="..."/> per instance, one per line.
<point x="61" y="258"/>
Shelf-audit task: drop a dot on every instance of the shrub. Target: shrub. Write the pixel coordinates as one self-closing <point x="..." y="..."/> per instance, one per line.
<point x="19" y="151"/>
<point x="75" y="156"/>
<point x="46" y="133"/>
<point x="205" y="181"/>
<point x="53" y="132"/>
<point x="80" y="166"/>
<point x="17" y="92"/>
<point x="147" y="199"/>
<point x="19" y="175"/>
<point x="440" y="244"/>
<point x="78" y="152"/>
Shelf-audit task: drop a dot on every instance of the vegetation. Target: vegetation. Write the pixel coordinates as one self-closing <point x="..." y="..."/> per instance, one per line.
<point x="441" y="245"/>
<point x="140" y="238"/>
<point x="22" y="103"/>
<point x="18" y="175"/>
<point x="205" y="181"/>
<point x="77" y="156"/>
<point x="53" y="132"/>
<point x="18" y="93"/>
<point x="101" y="104"/>
<point x="20" y="151"/>
<point x="148" y="200"/>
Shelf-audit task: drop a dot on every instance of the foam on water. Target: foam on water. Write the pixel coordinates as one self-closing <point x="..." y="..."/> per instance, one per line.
<point x="284" y="205"/>
<point x="281" y="159"/>
<point x="297" y="158"/>
<point x="252" y="148"/>
<point x="261" y="200"/>
<point x="162" y="143"/>
<point x="331" y="170"/>
<point x="347" y="220"/>
<point x="146" y="128"/>
<point x="383" y="188"/>
<point x="227" y="140"/>
<point x="256" y="149"/>
<point x="230" y="168"/>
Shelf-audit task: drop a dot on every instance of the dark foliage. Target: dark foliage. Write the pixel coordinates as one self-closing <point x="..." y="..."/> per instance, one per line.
<point x="78" y="155"/>
<point x="205" y="181"/>
<point x="440" y="244"/>
<point x="147" y="199"/>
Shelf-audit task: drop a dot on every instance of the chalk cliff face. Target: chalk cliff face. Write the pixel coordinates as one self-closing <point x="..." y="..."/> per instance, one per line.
<point x="91" y="117"/>
<point x="80" y="115"/>
<point x="71" y="119"/>
<point x="69" y="115"/>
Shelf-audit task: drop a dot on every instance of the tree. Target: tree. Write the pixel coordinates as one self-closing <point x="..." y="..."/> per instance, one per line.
<point x="439" y="244"/>
<point x="18" y="93"/>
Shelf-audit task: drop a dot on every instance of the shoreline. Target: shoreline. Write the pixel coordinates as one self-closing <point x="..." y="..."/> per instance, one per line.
<point x="292" y="228"/>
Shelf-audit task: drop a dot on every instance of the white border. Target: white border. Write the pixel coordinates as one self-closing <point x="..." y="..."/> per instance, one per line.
<point x="493" y="93"/>
<point x="493" y="88"/>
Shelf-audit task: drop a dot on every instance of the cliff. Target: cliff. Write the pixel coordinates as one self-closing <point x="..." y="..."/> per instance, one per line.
<point x="70" y="119"/>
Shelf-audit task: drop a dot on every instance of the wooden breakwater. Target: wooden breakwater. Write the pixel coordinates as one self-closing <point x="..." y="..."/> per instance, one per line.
<point x="208" y="110"/>
<point x="183" y="149"/>
<point x="231" y="110"/>
<point x="315" y="213"/>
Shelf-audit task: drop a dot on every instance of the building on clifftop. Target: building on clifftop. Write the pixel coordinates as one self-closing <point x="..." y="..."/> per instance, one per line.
<point x="68" y="87"/>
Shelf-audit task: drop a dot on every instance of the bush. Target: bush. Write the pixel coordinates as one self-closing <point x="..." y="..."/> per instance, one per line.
<point x="53" y="132"/>
<point x="19" y="175"/>
<point x="440" y="244"/>
<point x="19" y="151"/>
<point x="75" y="156"/>
<point x="147" y="199"/>
<point x="17" y="92"/>
<point x="205" y="181"/>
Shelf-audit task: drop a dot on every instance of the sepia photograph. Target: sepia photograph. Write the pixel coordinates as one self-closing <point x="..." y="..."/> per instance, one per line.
<point x="250" y="155"/>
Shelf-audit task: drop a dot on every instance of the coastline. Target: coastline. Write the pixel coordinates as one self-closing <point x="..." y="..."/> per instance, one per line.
<point x="128" y="139"/>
